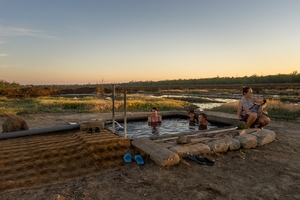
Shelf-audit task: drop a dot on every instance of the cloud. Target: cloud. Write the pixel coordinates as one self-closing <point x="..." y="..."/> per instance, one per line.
<point x="15" y="31"/>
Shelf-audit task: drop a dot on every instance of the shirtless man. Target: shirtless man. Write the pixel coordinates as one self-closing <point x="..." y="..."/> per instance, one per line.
<point x="202" y="120"/>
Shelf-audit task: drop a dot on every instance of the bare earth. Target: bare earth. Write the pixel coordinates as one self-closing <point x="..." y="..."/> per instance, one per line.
<point x="268" y="172"/>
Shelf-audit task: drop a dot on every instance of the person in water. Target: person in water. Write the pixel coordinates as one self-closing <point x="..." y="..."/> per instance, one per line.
<point x="154" y="117"/>
<point x="202" y="120"/>
<point x="192" y="118"/>
<point x="154" y="120"/>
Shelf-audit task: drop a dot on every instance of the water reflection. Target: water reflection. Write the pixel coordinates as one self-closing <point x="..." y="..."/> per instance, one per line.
<point x="207" y="106"/>
<point x="155" y="127"/>
<point x="214" y="102"/>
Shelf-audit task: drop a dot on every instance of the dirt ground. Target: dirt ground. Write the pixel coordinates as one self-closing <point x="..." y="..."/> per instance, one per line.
<point x="268" y="172"/>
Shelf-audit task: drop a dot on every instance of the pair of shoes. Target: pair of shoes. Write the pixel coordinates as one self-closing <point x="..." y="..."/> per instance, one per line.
<point x="90" y="130"/>
<point x="201" y="160"/>
<point x="128" y="159"/>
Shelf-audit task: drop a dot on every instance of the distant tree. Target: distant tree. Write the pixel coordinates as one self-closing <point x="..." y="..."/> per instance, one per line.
<point x="294" y="73"/>
<point x="5" y="84"/>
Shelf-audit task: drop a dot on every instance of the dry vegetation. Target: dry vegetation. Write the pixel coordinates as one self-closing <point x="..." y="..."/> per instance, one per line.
<point x="85" y="105"/>
<point x="275" y="108"/>
<point x="282" y="104"/>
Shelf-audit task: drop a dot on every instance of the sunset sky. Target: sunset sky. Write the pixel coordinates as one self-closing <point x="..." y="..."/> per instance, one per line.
<point x="113" y="41"/>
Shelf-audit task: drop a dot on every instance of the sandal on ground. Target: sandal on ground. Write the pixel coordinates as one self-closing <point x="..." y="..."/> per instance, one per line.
<point x="196" y="159"/>
<point x="208" y="161"/>
<point x="139" y="159"/>
<point x="127" y="158"/>
<point x="201" y="160"/>
<point x="90" y="130"/>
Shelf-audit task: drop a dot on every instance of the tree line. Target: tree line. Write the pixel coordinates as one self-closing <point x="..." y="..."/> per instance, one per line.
<point x="294" y="77"/>
<point x="5" y="84"/>
<point x="254" y="79"/>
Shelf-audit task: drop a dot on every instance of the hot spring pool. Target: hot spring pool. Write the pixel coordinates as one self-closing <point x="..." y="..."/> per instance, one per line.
<point x="170" y="126"/>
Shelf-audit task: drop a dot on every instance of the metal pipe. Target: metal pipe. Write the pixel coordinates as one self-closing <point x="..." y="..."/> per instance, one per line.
<point x="113" y="108"/>
<point x="38" y="131"/>
<point x="125" y="116"/>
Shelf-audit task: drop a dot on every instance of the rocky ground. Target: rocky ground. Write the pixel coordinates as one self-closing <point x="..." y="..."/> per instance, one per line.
<point x="268" y="172"/>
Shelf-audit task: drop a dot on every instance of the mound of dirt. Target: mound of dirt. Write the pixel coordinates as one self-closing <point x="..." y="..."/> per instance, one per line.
<point x="27" y="92"/>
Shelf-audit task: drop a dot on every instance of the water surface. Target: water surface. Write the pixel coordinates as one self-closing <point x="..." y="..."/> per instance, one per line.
<point x="170" y="126"/>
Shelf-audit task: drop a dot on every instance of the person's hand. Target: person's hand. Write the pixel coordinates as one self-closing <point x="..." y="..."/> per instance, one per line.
<point x="247" y="111"/>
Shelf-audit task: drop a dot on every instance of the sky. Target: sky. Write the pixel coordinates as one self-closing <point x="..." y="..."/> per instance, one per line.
<point x="117" y="41"/>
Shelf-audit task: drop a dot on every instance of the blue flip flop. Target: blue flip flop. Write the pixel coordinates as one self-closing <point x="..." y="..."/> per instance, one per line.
<point x="139" y="159"/>
<point x="127" y="158"/>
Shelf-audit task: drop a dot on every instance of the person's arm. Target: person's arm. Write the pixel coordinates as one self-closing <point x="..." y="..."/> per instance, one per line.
<point x="265" y="112"/>
<point x="149" y="119"/>
<point x="245" y="111"/>
<point x="262" y="109"/>
<point x="160" y="118"/>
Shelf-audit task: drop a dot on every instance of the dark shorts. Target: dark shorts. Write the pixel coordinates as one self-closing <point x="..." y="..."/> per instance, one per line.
<point x="244" y="117"/>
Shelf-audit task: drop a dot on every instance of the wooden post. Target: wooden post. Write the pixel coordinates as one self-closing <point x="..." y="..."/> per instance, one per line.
<point x="113" y="107"/>
<point x="125" y="115"/>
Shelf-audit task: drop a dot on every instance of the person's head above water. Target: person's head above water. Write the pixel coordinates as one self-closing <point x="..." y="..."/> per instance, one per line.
<point x="154" y="117"/>
<point x="202" y="117"/>
<point x="192" y="115"/>
<point x="154" y="109"/>
<point x="192" y="112"/>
